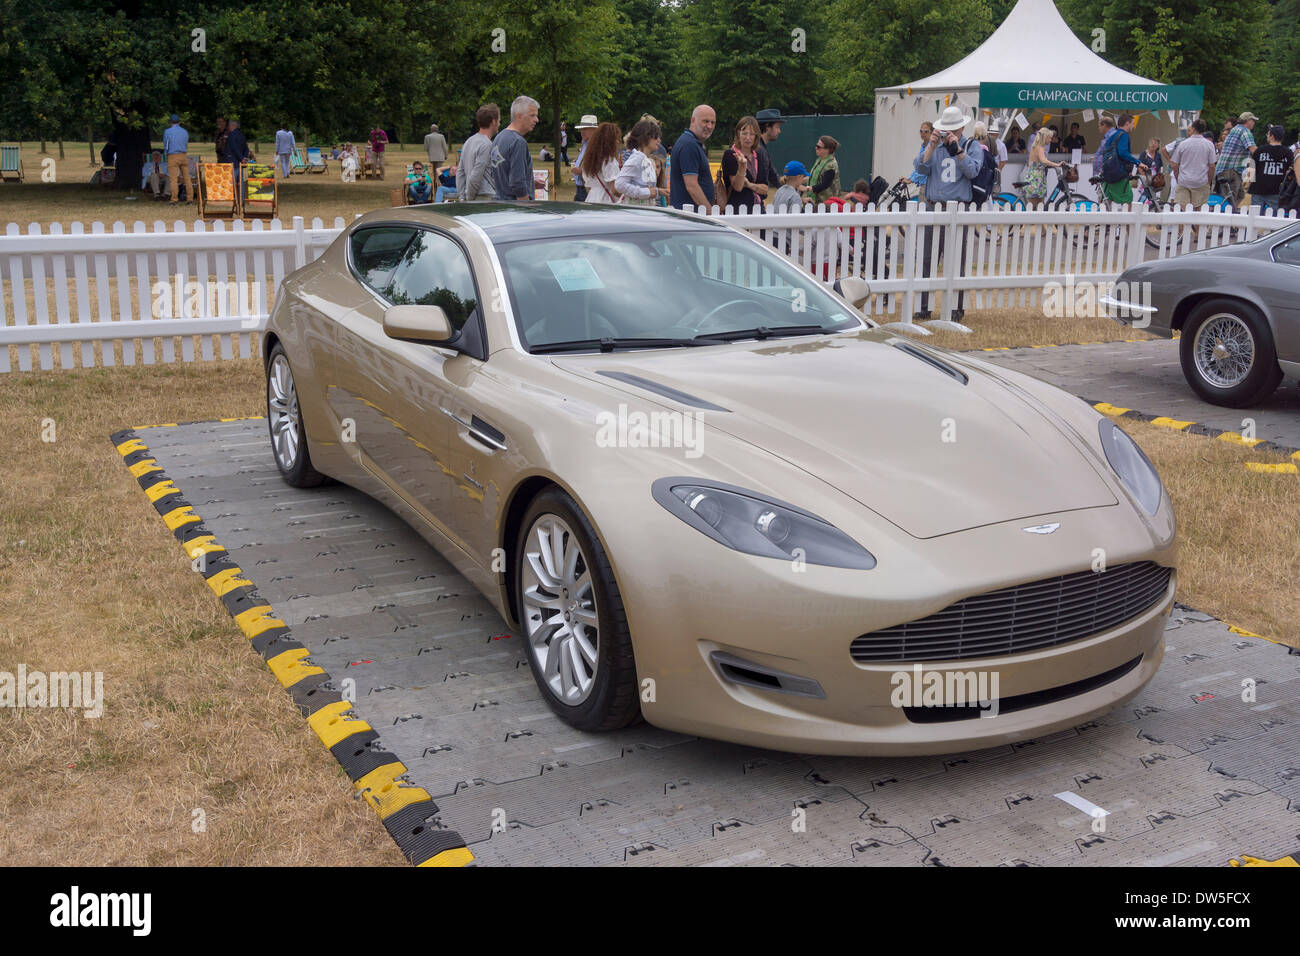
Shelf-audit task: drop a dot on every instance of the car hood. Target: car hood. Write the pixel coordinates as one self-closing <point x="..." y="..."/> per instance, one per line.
<point x="875" y="420"/>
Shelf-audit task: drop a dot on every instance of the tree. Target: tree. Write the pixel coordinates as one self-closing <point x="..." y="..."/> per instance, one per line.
<point x="653" y="67"/>
<point x="893" y="41"/>
<point x="744" y="55"/>
<point x="1208" y="42"/>
<point x="566" y="54"/>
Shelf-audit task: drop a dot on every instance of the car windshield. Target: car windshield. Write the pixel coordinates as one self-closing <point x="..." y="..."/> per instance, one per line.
<point x="658" y="289"/>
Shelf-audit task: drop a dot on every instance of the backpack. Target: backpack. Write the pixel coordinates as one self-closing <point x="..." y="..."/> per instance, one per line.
<point x="1289" y="194"/>
<point x="1113" y="169"/>
<point x="982" y="185"/>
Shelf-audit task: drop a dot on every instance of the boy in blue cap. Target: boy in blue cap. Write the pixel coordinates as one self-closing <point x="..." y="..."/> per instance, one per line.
<point x="794" y="183"/>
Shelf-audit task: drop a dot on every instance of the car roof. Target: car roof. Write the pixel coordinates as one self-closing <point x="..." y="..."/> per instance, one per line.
<point x="513" y="221"/>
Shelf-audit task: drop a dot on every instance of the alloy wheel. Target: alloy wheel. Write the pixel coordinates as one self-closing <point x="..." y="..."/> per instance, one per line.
<point x="282" y="406"/>
<point x="561" y="617"/>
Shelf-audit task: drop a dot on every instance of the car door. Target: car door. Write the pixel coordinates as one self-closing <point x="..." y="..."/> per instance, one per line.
<point x="1284" y="299"/>
<point x="474" y="442"/>
<point x="393" y="391"/>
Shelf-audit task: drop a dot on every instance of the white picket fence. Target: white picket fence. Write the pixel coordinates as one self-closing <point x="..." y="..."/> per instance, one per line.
<point x="1010" y="256"/>
<point x="204" y="290"/>
<point x="198" y="290"/>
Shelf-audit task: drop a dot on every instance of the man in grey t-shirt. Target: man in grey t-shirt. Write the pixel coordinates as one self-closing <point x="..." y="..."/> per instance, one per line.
<point x="473" y="173"/>
<point x="512" y="164"/>
<point x="1193" y="161"/>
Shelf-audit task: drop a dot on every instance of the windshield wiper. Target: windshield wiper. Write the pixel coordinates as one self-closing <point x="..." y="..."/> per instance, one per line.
<point x="610" y="345"/>
<point x="763" y="332"/>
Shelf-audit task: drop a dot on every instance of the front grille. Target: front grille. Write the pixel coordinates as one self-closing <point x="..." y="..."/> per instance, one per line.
<point x="1022" y="618"/>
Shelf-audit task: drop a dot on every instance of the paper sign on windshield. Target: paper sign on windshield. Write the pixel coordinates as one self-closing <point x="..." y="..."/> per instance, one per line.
<point x="574" y="275"/>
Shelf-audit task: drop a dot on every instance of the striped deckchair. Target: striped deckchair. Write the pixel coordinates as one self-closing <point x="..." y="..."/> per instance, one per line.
<point x="298" y="160"/>
<point x="315" y="160"/>
<point x="11" y="163"/>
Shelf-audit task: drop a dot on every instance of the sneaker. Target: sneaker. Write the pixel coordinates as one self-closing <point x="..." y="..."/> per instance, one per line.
<point x="958" y="314"/>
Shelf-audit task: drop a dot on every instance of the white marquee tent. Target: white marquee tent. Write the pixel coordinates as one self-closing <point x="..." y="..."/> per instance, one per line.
<point x="1033" y="45"/>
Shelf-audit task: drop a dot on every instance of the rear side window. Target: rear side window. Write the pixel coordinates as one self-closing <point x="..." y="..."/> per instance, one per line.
<point x="377" y="252"/>
<point x="1288" y="251"/>
<point x="434" y="271"/>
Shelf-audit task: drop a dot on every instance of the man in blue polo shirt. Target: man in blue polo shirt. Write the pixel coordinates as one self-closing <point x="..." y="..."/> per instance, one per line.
<point x="176" y="144"/>
<point x="690" y="180"/>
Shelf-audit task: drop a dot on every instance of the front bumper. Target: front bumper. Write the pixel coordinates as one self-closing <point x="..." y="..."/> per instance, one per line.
<point x="759" y="611"/>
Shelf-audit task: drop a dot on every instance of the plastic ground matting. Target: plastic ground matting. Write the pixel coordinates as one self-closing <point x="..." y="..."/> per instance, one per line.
<point x="426" y="698"/>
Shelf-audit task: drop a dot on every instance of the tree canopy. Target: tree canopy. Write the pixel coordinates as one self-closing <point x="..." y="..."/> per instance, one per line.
<point x="334" y="68"/>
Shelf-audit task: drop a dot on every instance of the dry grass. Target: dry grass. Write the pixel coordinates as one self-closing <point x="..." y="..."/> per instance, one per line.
<point x="1019" y="327"/>
<point x="1240" y="554"/>
<point x="90" y="579"/>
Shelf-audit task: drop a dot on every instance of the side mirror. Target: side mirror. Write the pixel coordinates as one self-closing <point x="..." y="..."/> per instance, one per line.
<point x="418" y="323"/>
<point x="854" y="290"/>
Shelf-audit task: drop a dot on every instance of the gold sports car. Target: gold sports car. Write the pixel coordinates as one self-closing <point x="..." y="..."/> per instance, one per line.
<point x="706" y="491"/>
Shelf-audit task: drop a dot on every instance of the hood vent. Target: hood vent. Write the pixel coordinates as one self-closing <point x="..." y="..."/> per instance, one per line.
<point x="677" y="396"/>
<point x="929" y="359"/>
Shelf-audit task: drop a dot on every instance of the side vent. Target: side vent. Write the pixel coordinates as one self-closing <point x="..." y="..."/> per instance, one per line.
<point x="737" y="670"/>
<point x="666" y="391"/>
<point x="930" y="360"/>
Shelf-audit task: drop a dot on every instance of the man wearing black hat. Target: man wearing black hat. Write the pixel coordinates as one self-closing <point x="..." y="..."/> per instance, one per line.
<point x="769" y="128"/>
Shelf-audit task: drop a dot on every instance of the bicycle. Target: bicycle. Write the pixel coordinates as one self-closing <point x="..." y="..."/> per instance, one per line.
<point x="1061" y="198"/>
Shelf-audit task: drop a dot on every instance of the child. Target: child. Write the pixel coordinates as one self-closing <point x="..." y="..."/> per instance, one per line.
<point x="794" y="183"/>
<point x="350" y="164"/>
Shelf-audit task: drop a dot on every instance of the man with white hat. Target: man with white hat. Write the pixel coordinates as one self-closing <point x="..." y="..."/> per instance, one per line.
<point x="586" y="129"/>
<point x="949" y="162"/>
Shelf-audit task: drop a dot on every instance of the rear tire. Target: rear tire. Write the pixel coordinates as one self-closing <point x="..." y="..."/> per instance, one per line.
<point x="284" y="420"/>
<point x="566" y="600"/>
<point x="1228" y="355"/>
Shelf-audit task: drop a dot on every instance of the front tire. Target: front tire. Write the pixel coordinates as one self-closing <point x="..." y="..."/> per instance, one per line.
<point x="572" y="619"/>
<point x="1227" y="354"/>
<point x="284" y="419"/>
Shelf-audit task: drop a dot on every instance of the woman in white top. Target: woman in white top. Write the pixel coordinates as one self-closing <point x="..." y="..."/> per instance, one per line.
<point x="637" y="180"/>
<point x="599" y="167"/>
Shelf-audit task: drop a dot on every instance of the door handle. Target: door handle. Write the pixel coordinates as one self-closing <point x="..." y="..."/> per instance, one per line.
<point x="479" y="429"/>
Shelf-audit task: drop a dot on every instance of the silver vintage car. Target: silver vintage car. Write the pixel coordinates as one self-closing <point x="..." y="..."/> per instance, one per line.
<point x="1237" y="308"/>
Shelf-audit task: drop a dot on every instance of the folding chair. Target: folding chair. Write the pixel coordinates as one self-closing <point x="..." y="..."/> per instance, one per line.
<point x="11" y="163"/>
<point x="368" y="170"/>
<point x="316" y="161"/>
<point x="216" y="190"/>
<point x="298" y="160"/>
<point x="261" y="197"/>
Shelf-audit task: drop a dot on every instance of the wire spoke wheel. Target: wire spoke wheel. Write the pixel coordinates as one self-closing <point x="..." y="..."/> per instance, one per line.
<point x="561" y="617"/>
<point x="282" y="409"/>
<point x="1224" y="350"/>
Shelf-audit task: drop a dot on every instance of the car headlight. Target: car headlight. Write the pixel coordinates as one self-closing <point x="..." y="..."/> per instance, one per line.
<point x="1132" y="465"/>
<point x="749" y="522"/>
